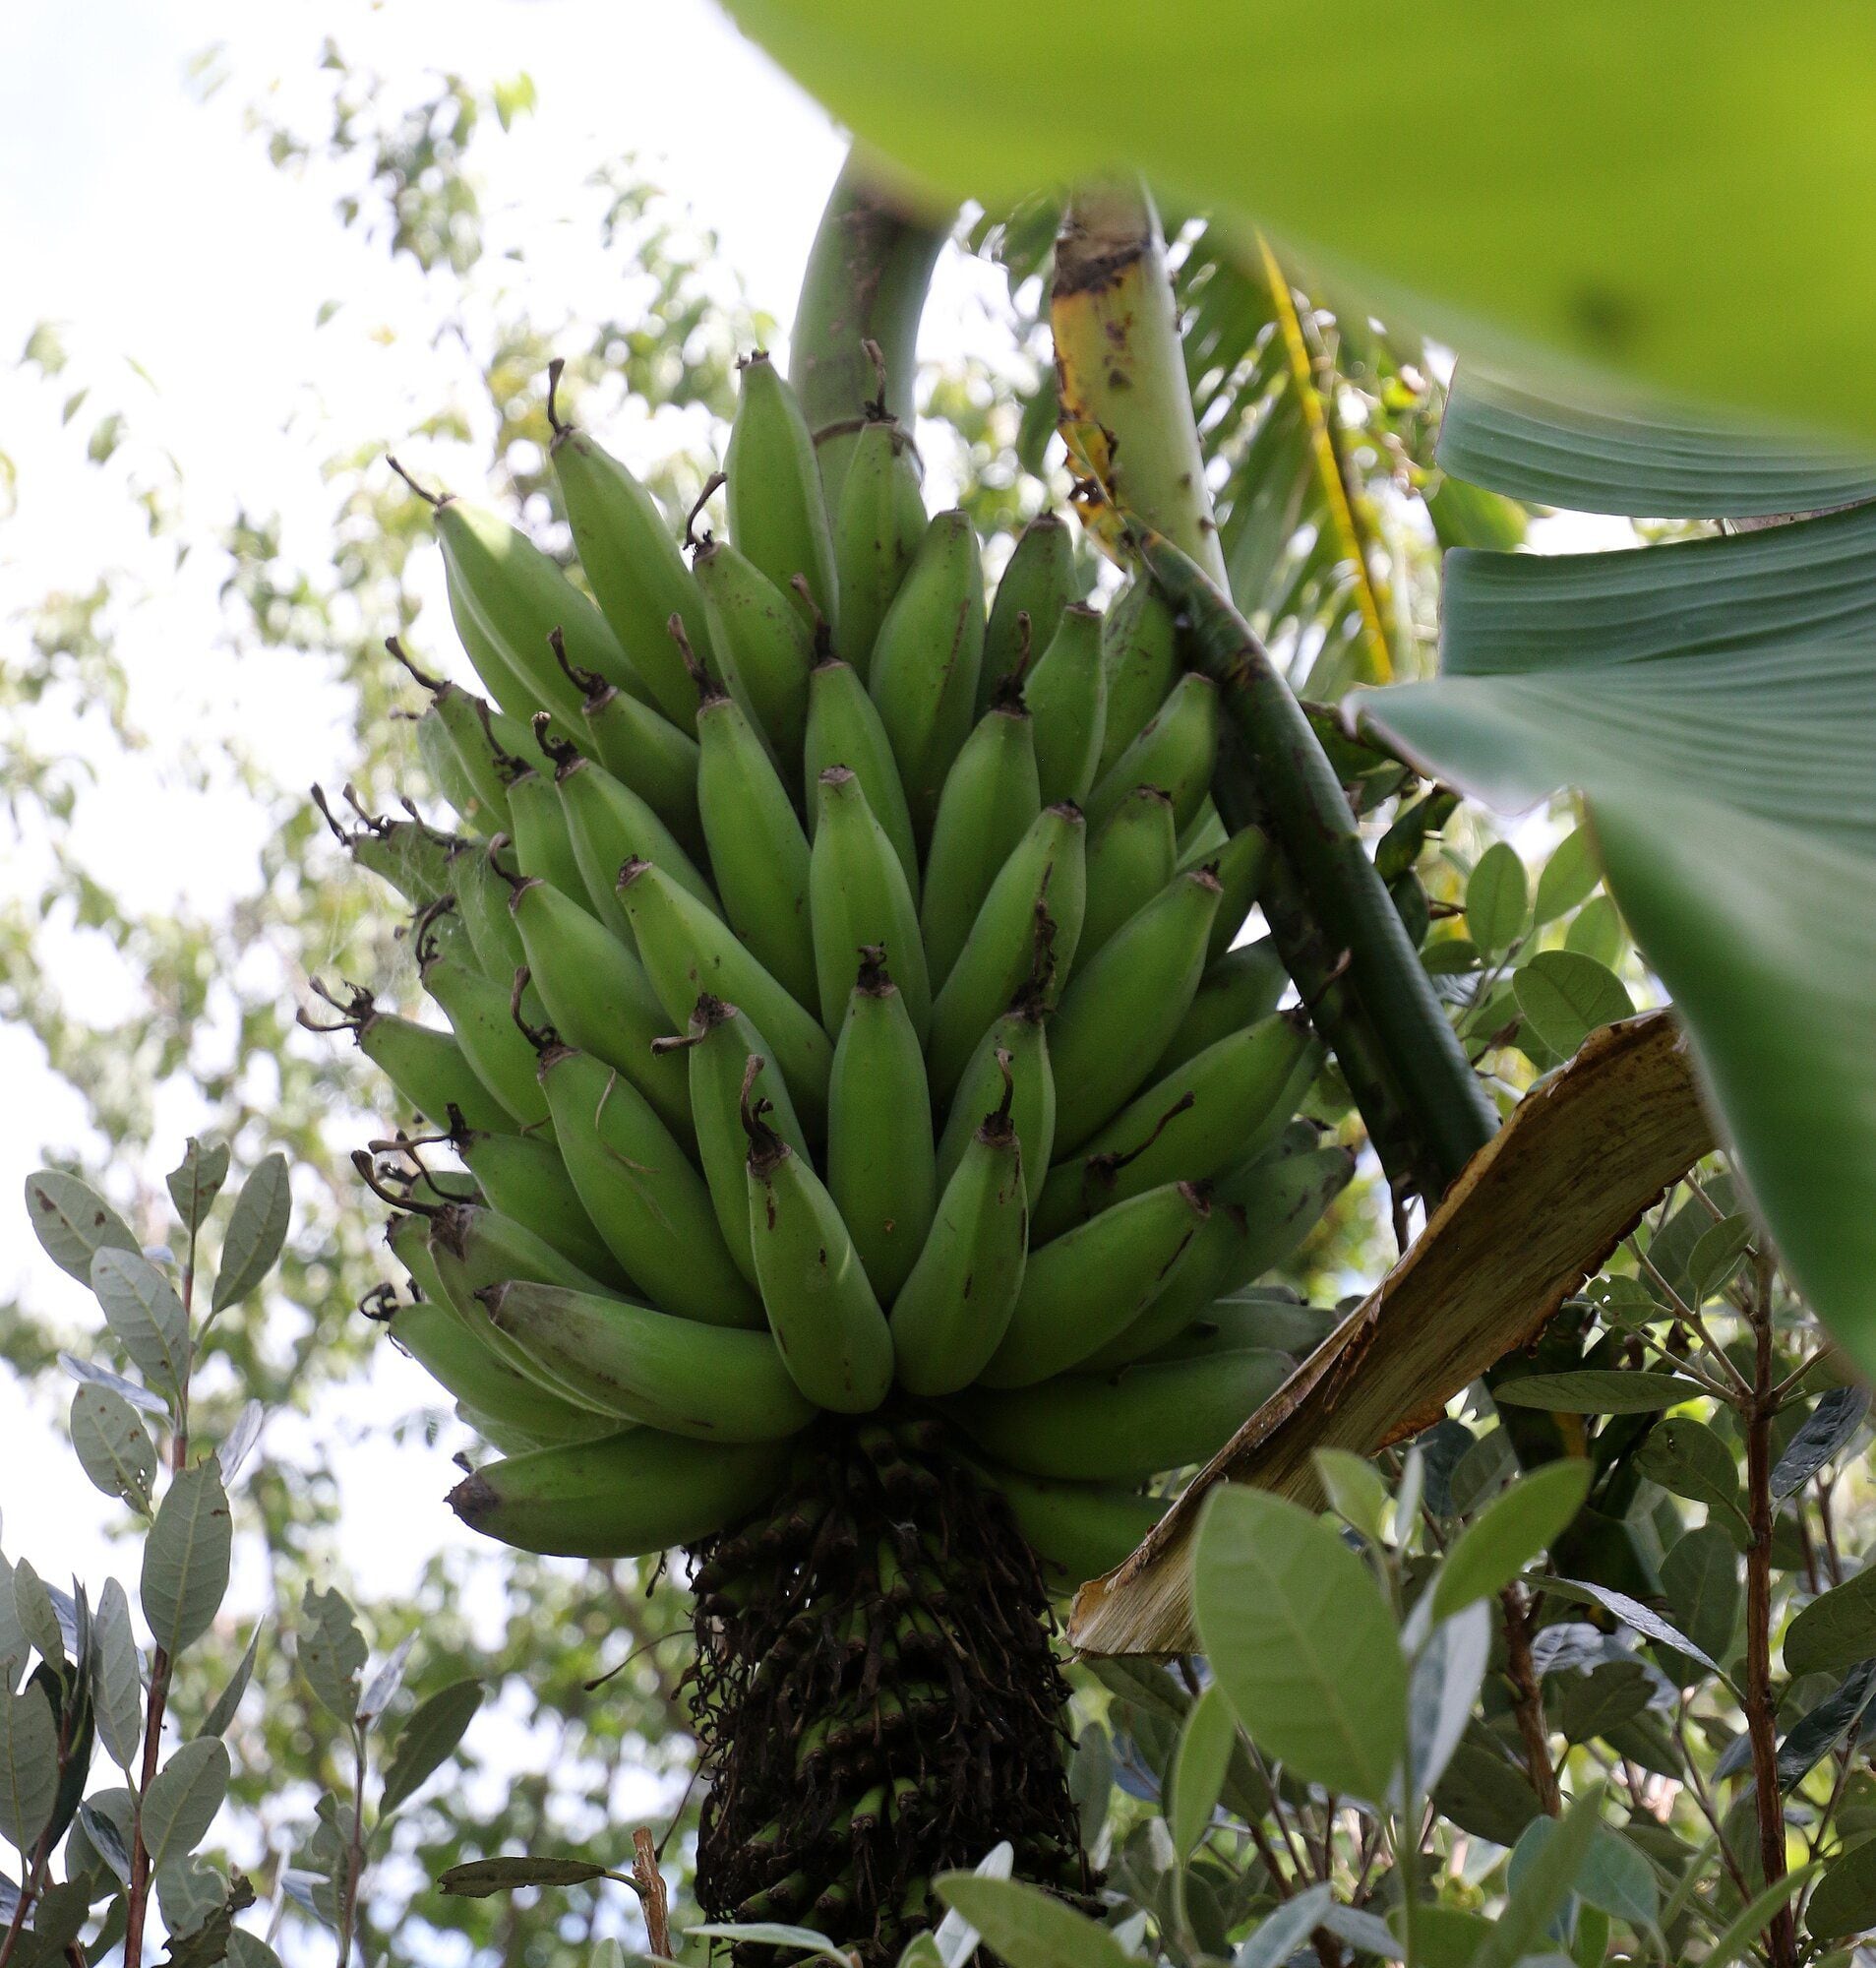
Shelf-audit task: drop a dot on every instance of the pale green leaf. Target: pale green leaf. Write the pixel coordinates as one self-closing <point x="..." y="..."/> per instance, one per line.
<point x="29" y="1765"/>
<point x="427" y="1741"/>
<point x="143" y="1313"/>
<point x="1511" y="1530"/>
<point x="1597" y="1390"/>
<point x="112" y="1445"/>
<point x="195" y="1184"/>
<point x="117" y="1689"/>
<point x="1543" y="1885"/>
<point x="38" y="1616"/>
<point x="1355" y="1489"/>
<point x="332" y="1651"/>
<point x="1448" y="1673"/>
<point x="1563" y="996"/>
<point x="1199" y="1764"/>
<point x="1280" y="1934"/>
<point x="1497" y="899"/>
<point x="73" y="1222"/>
<point x="1300" y="1636"/>
<point x="216" y="1722"/>
<point x="1568" y="877"/>
<point x="183" y="1798"/>
<point x="186" y="1557"/>
<point x="1028" y="1927"/>
<point x="1835" y="1630"/>
<point x="257" y="1230"/>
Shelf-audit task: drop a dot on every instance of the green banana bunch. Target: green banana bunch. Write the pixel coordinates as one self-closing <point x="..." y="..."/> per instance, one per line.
<point x="843" y="1019"/>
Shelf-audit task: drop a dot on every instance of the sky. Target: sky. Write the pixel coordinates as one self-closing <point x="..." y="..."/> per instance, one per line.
<point x="149" y="223"/>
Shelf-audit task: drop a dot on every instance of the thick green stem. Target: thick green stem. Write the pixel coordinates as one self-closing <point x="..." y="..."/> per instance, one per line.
<point x="866" y="275"/>
<point x="1308" y="818"/>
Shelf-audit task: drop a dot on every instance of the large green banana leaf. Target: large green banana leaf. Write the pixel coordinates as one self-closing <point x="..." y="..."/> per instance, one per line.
<point x="1642" y="459"/>
<point x="1714" y="702"/>
<point x="1682" y="193"/>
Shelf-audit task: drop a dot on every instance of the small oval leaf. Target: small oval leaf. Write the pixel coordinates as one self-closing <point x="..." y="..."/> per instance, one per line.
<point x="112" y="1445"/>
<point x="255" y="1231"/>
<point x="73" y="1222"/>
<point x="186" y="1557"/>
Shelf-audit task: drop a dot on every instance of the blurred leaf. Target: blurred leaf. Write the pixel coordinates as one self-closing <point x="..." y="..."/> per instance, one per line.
<point x="238" y="1444"/>
<point x="1843" y="1901"/>
<point x="481" y="1877"/>
<point x="228" y="1702"/>
<point x="382" y="1690"/>
<point x="332" y="1652"/>
<point x="73" y="1222"/>
<point x="1280" y="1934"/>
<point x="112" y="1445"/>
<point x="186" y="1557"/>
<point x="1598" y="1391"/>
<point x="1355" y="1489"/>
<point x="1509" y="1533"/>
<point x="255" y="1231"/>
<point x="1569" y="876"/>
<point x="1546" y="1882"/>
<point x="427" y="1741"/>
<point x="1826" y="1430"/>
<point x="1752" y="1920"/>
<point x="1446" y="1679"/>
<point x="195" y="1184"/>
<point x="1835" y="1630"/>
<point x="1601" y="453"/>
<point x="1297" y="1632"/>
<point x="87" y="1371"/>
<point x="1632" y="1613"/>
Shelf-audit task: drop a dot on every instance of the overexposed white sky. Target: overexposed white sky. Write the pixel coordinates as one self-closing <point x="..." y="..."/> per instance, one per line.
<point x="149" y="224"/>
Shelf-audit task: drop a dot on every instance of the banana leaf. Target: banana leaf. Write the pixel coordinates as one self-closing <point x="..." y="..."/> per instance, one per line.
<point x="1536" y="1212"/>
<point x="1665" y="193"/>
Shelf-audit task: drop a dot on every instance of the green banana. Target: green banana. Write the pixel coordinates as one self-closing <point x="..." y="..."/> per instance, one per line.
<point x="778" y="512"/>
<point x="465" y="717"/>
<point x="481" y="886"/>
<point x="1238" y="989"/>
<point x="820" y="1306"/>
<point x="624" y="1497"/>
<point x="1026" y="929"/>
<point x="1018" y="1043"/>
<point x="434" y="1336"/>
<point x="1129" y="861"/>
<point x="436" y="754"/>
<point x="428" y="1068"/>
<point x="1066" y="691"/>
<point x="882" y="1170"/>
<point x="876" y="529"/>
<point x="687" y="949"/>
<point x="641" y="1192"/>
<point x="597" y="995"/>
<point x="1176" y="750"/>
<point x="1139" y="652"/>
<point x="1120" y="1427"/>
<point x="481" y="1014"/>
<point x="1241" y="864"/>
<point x="1124" y="1003"/>
<point x="1283" y="1197"/>
<point x="759" y="852"/>
<point x="523" y="1178"/>
<point x="1038" y="582"/>
<point x="712" y="1383"/>
<point x="1088" y="1286"/>
<point x="606" y="824"/>
<point x="474" y="1248"/>
<point x="514" y="594"/>
<point x="952" y="1312"/>
<point x="926" y="661"/>
<point x="1198" y="1275"/>
<point x="844" y="729"/>
<point x="1253" y="1318"/>
<point x="411" y="855"/>
<point x="1203" y="838"/>
<point x="1223" y="1107"/>
<point x="641" y="747"/>
<point x="1078" y="1529"/>
<point x="718" y="1043"/>
<point x="543" y="843"/>
<point x="857" y="899"/>
<point x="628" y="552"/>
<point x="763" y="648"/>
<point x="991" y="796"/>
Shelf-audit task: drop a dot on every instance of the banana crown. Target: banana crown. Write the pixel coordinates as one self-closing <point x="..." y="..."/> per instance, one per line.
<point x="865" y="1025"/>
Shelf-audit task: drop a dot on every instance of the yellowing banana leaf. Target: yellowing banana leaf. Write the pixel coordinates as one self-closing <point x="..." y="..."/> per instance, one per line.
<point x="1649" y="460"/>
<point x="1537" y="1211"/>
<point x="1732" y="801"/>
<point x="1673" y="193"/>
